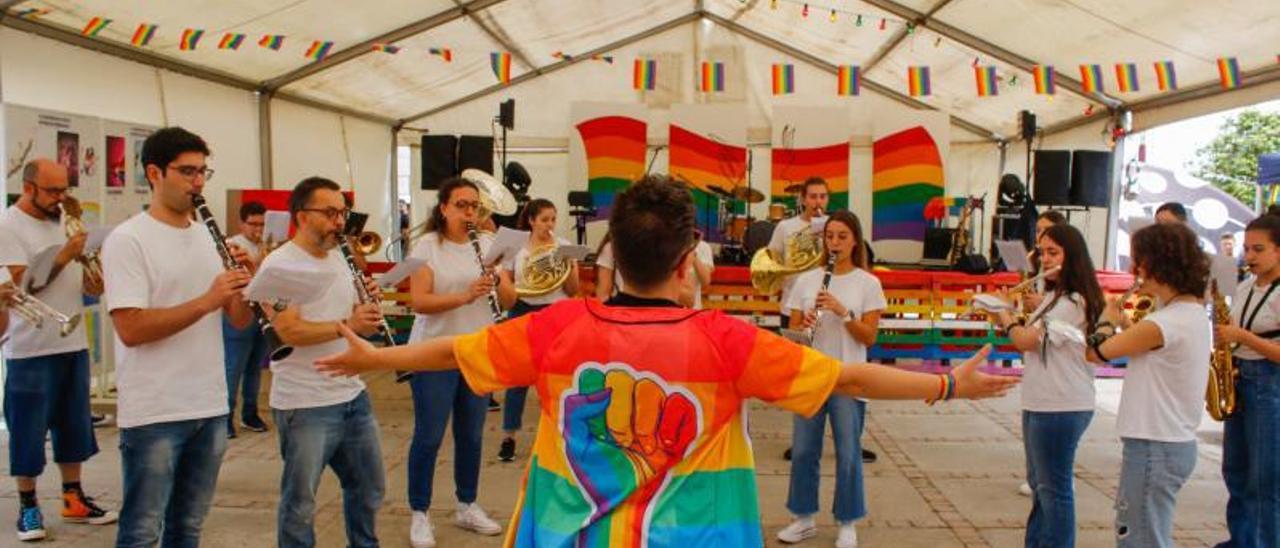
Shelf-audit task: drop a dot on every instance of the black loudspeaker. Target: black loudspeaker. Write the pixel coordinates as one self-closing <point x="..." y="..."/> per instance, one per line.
<point x="1053" y="177"/>
<point x="507" y="114"/>
<point x="439" y="159"/>
<point x="1091" y="178"/>
<point x="475" y="152"/>
<point x="937" y="243"/>
<point x="1027" y="122"/>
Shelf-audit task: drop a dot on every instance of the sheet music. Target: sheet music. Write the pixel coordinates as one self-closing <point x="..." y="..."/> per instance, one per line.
<point x="818" y="224"/>
<point x="1014" y="255"/>
<point x="40" y="267"/>
<point x="276" y="226"/>
<point x="574" y="252"/>
<point x="97" y="235"/>
<point x="506" y="243"/>
<point x="401" y="271"/>
<point x="290" y="281"/>
<point x="990" y="303"/>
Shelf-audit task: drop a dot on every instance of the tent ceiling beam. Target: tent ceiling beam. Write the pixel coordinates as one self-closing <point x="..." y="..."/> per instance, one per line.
<point x="70" y="37"/>
<point x="900" y="35"/>
<point x="826" y="66"/>
<point x="988" y="48"/>
<point x="412" y="29"/>
<point x="6" y="4"/>
<point x="652" y="31"/>
<point x="498" y="37"/>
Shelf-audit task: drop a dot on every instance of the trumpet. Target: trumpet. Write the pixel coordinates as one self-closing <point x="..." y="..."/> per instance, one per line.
<point x="74" y="227"/>
<point x="34" y="311"/>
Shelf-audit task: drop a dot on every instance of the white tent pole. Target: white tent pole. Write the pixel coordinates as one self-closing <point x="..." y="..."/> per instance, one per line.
<point x="346" y="152"/>
<point x="1113" y="210"/>
<point x="164" y="103"/>
<point x="265" y="151"/>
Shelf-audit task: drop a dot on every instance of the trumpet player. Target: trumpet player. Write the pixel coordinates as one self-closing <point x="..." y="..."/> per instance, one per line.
<point x="47" y="382"/>
<point x="322" y="421"/>
<point x="844" y="317"/>
<point x="1164" y="386"/>
<point x="246" y="349"/>
<point x="1250" y="464"/>
<point x="1057" y="383"/>
<point x="167" y="290"/>
<point x="539" y="218"/>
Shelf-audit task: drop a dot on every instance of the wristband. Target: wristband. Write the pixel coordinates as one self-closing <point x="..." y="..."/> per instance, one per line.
<point x="951" y="386"/>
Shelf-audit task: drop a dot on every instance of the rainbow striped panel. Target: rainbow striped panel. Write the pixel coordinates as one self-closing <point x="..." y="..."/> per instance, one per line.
<point x="319" y="50"/>
<point x="615" y="150"/>
<point x="1229" y="72"/>
<point x="94" y="26"/>
<point x="906" y="173"/>
<point x="143" y="35"/>
<point x="702" y="161"/>
<point x="784" y="79"/>
<point x="644" y="74"/>
<point x="231" y="41"/>
<point x="1045" y="78"/>
<point x="190" y="39"/>
<point x="1127" y="77"/>
<point x="272" y="41"/>
<point x="1166" y="78"/>
<point x="793" y="165"/>
<point x="918" y="84"/>
<point x="848" y="80"/>
<point x="1091" y="78"/>
<point x="712" y="79"/>
<point x="443" y="53"/>
<point x="986" y="81"/>
<point x="386" y="48"/>
<point x="501" y="64"/>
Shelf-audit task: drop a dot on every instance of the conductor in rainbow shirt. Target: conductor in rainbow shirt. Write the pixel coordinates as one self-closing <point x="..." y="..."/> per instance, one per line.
<point x="641" y="439"/>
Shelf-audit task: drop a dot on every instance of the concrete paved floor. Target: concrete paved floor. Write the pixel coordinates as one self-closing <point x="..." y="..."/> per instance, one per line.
<point x="947" y="476"/>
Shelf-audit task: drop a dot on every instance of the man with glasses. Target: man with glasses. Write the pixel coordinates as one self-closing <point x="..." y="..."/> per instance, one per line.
<point x="323" y="421"/>
<point x="167" y="292"/>
<point x="46" y="385"/>
<point x="246" y="348"/>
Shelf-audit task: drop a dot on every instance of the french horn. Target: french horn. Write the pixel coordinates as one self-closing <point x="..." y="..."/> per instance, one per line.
<point x="541" y="272"/>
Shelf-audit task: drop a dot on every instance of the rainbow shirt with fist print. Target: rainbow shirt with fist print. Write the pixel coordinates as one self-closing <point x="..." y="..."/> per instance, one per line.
<point x="641" y="438"/>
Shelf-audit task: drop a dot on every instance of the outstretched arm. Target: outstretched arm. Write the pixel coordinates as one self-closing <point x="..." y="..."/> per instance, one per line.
<point x="888" y="383"/>
<point x="429" y="355"/>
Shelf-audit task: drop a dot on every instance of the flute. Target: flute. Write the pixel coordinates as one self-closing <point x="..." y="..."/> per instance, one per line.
<point x="1027" y="283"/>
<point x="494" y="307"/>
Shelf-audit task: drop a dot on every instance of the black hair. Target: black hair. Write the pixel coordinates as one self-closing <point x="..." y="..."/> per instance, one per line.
<point x="304" y="190"/>
<point x="1174" y="208"/>
<point x="1170" y="254"/>
<point x="849" y="219"/>
<point x="531" y="211"/>
<point x="652" y="230"/>
<point x="251" y="208"/>
<point x="1078" y="274"/>
<point x="165" y="145"/>
<point x="436" y="222"/>
<point x="1267" y="223"/>
<point x="1053" y="216"/>
<point x="813" y="181"/>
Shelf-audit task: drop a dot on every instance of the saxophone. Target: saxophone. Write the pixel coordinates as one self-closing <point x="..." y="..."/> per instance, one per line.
<point x="1220" y="394"/>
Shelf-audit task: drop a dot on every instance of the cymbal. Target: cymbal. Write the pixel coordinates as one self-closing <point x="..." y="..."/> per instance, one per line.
<point x="747" y="194"/>
<point x="794" y="189"/>
<point x="719" y="190"/>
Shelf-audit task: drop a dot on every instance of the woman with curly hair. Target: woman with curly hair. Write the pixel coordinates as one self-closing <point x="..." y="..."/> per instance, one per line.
<point x="1163" y="396"/>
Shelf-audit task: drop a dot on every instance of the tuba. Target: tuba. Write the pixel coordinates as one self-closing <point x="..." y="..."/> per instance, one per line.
<point x="75" y="227"/>
<point x="541" y="272"/>
<point x="368" y="243"/>
<point x="1220" y="394"/>
<point x="804" y="251"/>
<point x="495" y="199"/>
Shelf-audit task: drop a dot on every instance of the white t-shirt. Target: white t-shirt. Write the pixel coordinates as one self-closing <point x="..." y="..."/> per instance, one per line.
<point x="1059" y="379"/>
<point x="1268" y="318"/>
<point x="22" y="237"/>
<point x="778" y="243"/>
<point x="454" y="267"/>
<point x="859" y="291"/>
<point x="149" y="264"/>
<point x="701" y="253"/>
<point x="295" y="382"/>
<point x="605" y="260"/>
<point x="242" y="241"/>
<point x="1163" y="394"/>
<point x="516" y="265"/>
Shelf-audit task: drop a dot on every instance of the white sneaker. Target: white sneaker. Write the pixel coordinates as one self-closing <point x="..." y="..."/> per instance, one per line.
<point x="847" y="537"/>
<point x="421" y="534"/>
<point x="800" y="529"/>
<point x="472" y="518"/>
<point x="1024" y="489"/>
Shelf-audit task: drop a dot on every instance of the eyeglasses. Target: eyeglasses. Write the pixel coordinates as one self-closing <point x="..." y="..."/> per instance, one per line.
<point x="463" y="204"/>
<point x="332" y="213"/>
<point x="190" y="172"/>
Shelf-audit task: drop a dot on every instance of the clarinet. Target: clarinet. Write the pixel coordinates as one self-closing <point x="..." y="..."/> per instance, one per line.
<point x="826" y="280"/>
<point x="275" y="347"/>
<point x="362" y="294"/>
<point x="494" y="307"/>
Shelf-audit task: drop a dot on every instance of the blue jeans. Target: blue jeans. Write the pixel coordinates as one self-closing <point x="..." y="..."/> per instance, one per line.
<point x="1151" y="474"/>
<point x="345" y="438"/>
<point x="436" y="394"/>
<point x="806" y="450"/>
<point x="513" y="402"/>
<point x="244" y="352"/>
<point x="1050" y="441"/>
<point x="1250" y="463"/>
<point x="170" y="471"/>
<point x="48" y="395"/>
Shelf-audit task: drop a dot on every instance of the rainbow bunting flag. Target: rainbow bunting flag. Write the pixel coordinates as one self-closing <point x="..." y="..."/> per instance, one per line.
<point x="1229" y="72"/>
<point x="1091" y="78"/>
<point x="784" y="79"/>
<point x="1166" y="78"/>
<point x="386" y="48"/>
<point x="95" y="26"/>
<point x="918" y="81"/>
<point x="562" y="56"/>
<point x="444" y="53"/>
<point x="143" y="35"/>
<point x="272" y="41"/>
<point x="501" y="63"/>
<point x="32" y="12"/>
<point x="190" y="39"/>
<point x="644" y="75"/>
<point x="712" y="77"/>
<point x="319" y="50"/>
<point x="231" y="41"/>
<point x="601" y="57"/>
<point x="1127" y="77"/>
<point x="986" y="79"/>
<point x="1046" y="79"/>
<point x="848" y="80"/>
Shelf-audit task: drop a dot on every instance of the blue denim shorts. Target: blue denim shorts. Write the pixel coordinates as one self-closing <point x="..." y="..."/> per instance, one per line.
<point x="48" y="395"/>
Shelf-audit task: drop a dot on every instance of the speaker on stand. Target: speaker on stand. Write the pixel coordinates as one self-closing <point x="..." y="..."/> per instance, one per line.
<point x="1091" y="173"/>
<point x="439" y="160"/>
<point x="1052" y="177"/>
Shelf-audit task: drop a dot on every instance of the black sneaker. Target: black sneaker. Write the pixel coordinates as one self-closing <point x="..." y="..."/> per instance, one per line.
<point x="493" y="404"/>
<point x="101" y="419"/>
<point x="231" y="428"/>
<point x="786" y="455"/>
<point x="508" y="451"/>
<point x="868" y="456"/>
<point x="253" y="423"/>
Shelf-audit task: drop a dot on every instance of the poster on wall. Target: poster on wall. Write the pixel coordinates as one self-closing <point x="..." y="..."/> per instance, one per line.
<point x="115" y="164"/>
<point x="68" y="147"/>
<point x="810" y="142"/>
<point x="606" y="150"/>
<point x="908" y="165"/>
<point x="707" y="151"/>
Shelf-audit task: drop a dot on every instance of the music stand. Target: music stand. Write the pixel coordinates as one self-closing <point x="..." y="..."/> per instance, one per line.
<point x="582" y="205"/>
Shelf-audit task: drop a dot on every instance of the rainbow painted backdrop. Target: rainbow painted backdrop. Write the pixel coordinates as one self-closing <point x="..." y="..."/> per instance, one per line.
<point x="794" y="165"/>
<point x="700" y="161"/>
<point x="615" y="150"/>
<point x="906" y="173"/>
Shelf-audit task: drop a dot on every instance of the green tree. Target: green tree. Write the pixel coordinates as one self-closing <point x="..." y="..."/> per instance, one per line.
<point x="1230" y="161"/>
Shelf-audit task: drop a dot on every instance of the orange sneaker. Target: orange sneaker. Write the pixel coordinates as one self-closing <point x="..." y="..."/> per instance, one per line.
<point x="77" y="508"/>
